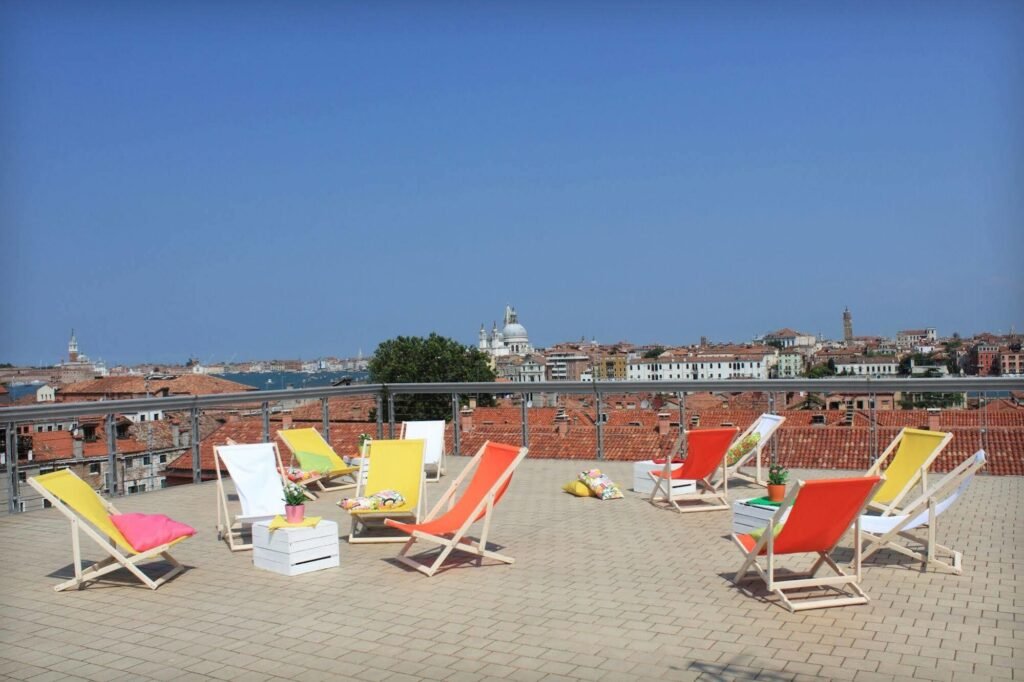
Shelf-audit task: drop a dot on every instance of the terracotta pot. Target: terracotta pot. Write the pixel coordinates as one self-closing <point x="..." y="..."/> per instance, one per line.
<point x="777" y="493"/>
<point x="294" y="513"/>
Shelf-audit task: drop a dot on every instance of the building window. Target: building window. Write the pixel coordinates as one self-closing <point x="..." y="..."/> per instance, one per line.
<point x="94" y="468"/>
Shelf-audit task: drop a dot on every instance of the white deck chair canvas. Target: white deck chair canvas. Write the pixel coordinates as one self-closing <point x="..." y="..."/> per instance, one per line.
<point x="255" y="470"/>
<point x="433" y="456"/>
<point x="881" y="532"/>
<point x="765" y="427"/>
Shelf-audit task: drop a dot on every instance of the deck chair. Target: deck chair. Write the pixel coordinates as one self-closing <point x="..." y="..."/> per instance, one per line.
<point x="491" y="468"/>
<point x="913" y="451"/>
<point x="815" y="516"/>
<point x="881" y="532"/>
<point x="765" y="427"/>
<point x="397" y="465"/>
<point x="315" y="454"/>
<point x="256" y="472"/>
<point x="90" y="514"/>
<point x="433" y="433"/>
<point x="705" y="453"/>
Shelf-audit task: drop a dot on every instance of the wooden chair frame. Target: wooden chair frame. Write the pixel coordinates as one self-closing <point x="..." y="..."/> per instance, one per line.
<point x="927" y="503"/>
<point x="457" y="539"/>
<point x="228" y="525"/>
<point x="711" y="495"/>
<point x="116" y="559"/>
<point x="854" y="595"/>
<point x="893" y="507"/>
<point x="735" y="470"/>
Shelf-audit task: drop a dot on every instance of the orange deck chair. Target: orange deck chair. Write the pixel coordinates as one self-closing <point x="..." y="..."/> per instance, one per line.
<point x="492" y="468"/>
<point x="705" y="452"/>
<point x="813" y="518"/>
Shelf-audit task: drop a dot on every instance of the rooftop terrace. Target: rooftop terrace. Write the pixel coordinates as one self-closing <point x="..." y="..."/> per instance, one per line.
<point x="612" y="590"/>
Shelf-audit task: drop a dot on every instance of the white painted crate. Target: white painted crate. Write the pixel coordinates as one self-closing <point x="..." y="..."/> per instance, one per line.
<point x="294" y="551"/>
<point x="642" y="482"/>
<point x="748" y="517"/>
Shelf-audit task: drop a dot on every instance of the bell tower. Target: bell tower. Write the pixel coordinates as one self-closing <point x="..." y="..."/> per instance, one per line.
<point x="73" y="348"/>
<point x="847" y="326"/>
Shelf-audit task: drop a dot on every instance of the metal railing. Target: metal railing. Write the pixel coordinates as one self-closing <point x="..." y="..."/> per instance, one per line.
<point x="12" y="417"/>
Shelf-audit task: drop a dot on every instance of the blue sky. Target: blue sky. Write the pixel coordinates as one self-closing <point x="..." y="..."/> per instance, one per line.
<point x="243" y="180"/>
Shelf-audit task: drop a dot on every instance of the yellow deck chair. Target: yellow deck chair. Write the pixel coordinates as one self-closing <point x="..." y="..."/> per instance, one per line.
<point x="90" y="514"/>
<point x="313" y="453"/>
<point x="913" y="451"/>
<point x="392" y="465"/>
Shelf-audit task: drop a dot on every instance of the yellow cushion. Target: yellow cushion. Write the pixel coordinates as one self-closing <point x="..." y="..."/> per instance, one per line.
<point x="577" y="488"/>
<point x="758" y="532"/>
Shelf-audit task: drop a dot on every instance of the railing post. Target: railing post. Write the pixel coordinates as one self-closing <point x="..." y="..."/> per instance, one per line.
<point x="266" y="421"/>
<point x="13" y="483"/>
<point x="682" y="426"/>
<point x="874" y="429"/>
<point x="526" y="424"/>
<point x="983" y="422"/>
<point x="197" y="466"/>
<point x="600" y="427"/>
<point x="380" y="416"/>
<point x="391" y="414"/>
<point x="774" y="452"/>
<point x="456" y="426"/>
<point x="111" y="457"/>
<point x="326" y="415"/>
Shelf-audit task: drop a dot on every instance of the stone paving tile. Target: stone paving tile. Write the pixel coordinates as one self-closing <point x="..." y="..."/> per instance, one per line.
<point x="613" y="590"/>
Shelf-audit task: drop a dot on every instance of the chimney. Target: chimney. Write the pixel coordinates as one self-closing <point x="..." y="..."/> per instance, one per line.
<point x="933" y="420"/>
<point x="286" y="422"/>
<point x="562" y="424"/>
<point x="663" y="423"/>
<point x="466" y="419"/>
<point x="76" y="447"/>
<point x="175" y="435"/>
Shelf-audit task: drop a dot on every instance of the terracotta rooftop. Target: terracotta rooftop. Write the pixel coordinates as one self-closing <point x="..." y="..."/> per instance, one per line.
<point x="185" y="384"/>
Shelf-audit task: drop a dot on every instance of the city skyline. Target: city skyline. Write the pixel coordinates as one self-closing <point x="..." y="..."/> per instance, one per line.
<point x="235" y="180"/>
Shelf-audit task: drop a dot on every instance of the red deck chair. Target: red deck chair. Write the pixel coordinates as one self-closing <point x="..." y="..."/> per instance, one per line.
<point x="491" y="469"/>
<point x="821" y="513"/>
<point x="705" y="452"/>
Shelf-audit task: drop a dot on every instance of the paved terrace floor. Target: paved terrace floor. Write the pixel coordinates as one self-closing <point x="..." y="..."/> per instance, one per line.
<point x="613" y="590"/>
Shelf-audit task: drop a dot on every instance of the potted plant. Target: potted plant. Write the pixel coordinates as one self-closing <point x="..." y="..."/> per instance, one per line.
<point x="294" y="503"/>
<point x="777" y="477"/>
<point x="364" y="444"/>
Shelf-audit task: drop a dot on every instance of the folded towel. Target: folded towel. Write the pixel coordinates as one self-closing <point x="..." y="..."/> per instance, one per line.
<point x="308" y="522"/>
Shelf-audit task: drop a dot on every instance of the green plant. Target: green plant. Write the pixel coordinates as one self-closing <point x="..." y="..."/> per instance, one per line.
<point x="364" y="438"/>
<point x="294" y="495"/>
<point x="777" y="475"/>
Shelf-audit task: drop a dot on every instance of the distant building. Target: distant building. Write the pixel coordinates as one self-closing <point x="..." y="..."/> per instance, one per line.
<point x="790" y="365"/>
<point x="908" y="338"/>
<point x="77" y="367"/>
<point x="988" y="359"/>
<point x="45" y="394"/>
<point x="511" y="340"/>
<point x="1011" y="362"/>
<point x="868" y="365"/>
<point x="789" y="338"/>
<point x="706" y="363"/>
<point x="847" y="327"/>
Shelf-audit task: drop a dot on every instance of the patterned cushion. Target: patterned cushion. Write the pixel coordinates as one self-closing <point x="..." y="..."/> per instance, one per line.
<point x="600" y="485"/>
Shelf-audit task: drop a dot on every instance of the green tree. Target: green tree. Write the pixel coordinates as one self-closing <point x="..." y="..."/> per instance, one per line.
<point x="435" y="359"/>
<point x="654" y="352"/>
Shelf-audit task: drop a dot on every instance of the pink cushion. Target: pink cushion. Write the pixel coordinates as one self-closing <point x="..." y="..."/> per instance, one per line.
<point x="146" y="531"/>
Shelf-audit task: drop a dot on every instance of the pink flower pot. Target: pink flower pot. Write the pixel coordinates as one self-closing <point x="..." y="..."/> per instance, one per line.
<point x="294" y="513"/>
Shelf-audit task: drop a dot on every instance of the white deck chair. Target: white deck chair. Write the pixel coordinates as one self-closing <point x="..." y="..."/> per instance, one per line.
<point x="880" y="532"/>
<point x="765" y="426"/>
<point x="256" y="472"/>
<point x="433" y="433"/>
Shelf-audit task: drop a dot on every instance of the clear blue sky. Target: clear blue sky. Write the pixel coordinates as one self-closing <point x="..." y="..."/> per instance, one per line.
<point x="242" y="180"/>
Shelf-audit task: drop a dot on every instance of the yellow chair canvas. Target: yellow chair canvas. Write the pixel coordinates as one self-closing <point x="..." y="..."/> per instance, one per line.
<point x="313" y="453"/>
<point x="392" y="465"/>
<point x="90" y="514"/>
<point x="912" y="453"/>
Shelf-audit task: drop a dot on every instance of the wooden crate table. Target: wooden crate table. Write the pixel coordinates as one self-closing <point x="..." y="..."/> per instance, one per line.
<point x="747" y="517"/>
<point x="294" y="551"/>
<point x="643" y="483"/>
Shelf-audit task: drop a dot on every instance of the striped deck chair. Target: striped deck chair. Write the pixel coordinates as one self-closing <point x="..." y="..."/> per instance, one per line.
<point x="912" y="451"/>
<point x="313" y="453"/>
<point x="705" y="453"/>
<point x="92" y="515"/>
<point x="491" y="468"/>
<point x="811" y="520"/>
<point x="740" y="455"/>
<point x="882" y="532"/>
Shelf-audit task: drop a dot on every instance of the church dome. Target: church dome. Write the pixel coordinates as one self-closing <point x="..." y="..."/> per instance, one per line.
<point x="513" y="331"/>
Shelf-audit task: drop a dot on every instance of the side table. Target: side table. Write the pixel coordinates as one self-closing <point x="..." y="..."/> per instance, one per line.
<point x="294" y="551"/>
